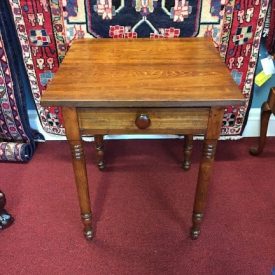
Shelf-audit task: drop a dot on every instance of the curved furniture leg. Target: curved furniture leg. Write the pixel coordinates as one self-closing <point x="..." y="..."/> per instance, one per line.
<point x="99" y="145"/>
<point x="187" y="152"/>
<point x="267" y="109"/>
<point x="79" y="166"/>
<point x="2" y="200"/>
<point x="205" y="170"/>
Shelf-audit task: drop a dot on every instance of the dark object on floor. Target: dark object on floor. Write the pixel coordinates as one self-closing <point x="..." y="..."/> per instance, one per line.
<point x="5" y="218"/>
<point x="268" y="108"/>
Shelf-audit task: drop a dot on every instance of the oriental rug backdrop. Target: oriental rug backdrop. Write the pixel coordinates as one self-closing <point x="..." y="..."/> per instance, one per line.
<point x="16" y="137"/>
<point x="45" y="29"/>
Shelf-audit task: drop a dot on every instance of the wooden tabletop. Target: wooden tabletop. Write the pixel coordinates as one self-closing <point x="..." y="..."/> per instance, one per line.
<point x="142" y="73"/>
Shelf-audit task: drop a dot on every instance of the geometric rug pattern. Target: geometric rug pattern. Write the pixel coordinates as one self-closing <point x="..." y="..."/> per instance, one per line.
<point x="46" y="28"/>
<point x="16" y="136"/>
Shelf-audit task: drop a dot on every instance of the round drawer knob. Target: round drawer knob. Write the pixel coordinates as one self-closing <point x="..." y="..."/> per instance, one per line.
<point x="143" y="121"/>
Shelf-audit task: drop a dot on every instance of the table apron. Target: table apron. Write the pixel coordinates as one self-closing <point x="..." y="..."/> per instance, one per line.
<point x="162" y="120"/>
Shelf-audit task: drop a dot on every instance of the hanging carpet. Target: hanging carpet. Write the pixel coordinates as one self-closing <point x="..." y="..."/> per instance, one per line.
<point x="16" y="136"/>
<point x="46" y="28"/>
<point x="240" y="41"/>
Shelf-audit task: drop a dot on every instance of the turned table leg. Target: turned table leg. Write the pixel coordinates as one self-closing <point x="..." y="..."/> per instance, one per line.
<point x="79" y="166"/>
<point x="187" y="152"/>
<point x="267" y="109"/>
<point x="205" y="170"/>
<point x="99" y="145"/>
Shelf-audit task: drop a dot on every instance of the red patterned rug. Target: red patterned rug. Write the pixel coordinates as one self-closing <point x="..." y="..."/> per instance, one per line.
<point x="46" y="27"/>
<point x="240" y="41"/>
<point x="41" y="33"/>
<point x="16" y="137"/>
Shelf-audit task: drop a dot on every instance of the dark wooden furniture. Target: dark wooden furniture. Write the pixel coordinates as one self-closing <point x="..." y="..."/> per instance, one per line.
<point x="2" y="200"/>
<point x="5" y="218"/>
<point x="142" y="87"/>
<point x="268" y="108"/>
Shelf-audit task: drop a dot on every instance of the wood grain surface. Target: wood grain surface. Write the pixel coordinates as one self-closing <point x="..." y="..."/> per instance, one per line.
<point x="142" y="73"/>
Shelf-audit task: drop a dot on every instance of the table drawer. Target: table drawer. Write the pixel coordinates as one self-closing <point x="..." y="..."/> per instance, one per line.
<point x="143" y="120"/>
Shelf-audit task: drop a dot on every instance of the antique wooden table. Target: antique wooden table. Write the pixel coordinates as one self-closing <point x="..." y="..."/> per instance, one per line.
<point x="141" y="86"/>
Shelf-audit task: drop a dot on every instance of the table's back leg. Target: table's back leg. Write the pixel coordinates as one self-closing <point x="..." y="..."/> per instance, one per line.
<point x="267" y="108"/>
<point x="99" y="145"/>
<point x="187" y="152"/>
<point x="79" y="166"/>
<point x="205" y="170"/>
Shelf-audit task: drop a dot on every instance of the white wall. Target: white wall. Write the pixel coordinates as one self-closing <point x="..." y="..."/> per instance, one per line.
<point x="252" y="128"/>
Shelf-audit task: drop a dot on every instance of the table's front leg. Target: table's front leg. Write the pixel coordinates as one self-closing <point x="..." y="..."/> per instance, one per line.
<point x="79" y="166"/>
<point x="205" y="170"/>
